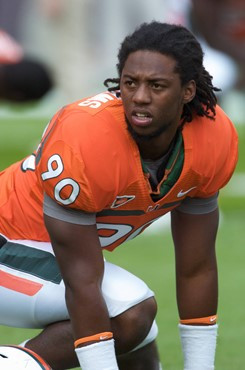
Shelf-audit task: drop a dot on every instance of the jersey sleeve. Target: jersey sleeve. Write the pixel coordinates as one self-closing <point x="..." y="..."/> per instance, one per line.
<point x="198" y="206"/>
<point x="215" y="154"/>
<point x="54" y="210"/>
<point x="63" y="178"/>
<point x="77" y="162"/>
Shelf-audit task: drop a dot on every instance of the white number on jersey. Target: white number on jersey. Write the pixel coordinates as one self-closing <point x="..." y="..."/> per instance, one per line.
<point x="55" y="168"/>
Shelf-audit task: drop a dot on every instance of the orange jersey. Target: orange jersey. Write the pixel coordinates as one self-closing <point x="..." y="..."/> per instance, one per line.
<point x="88" y="161"/>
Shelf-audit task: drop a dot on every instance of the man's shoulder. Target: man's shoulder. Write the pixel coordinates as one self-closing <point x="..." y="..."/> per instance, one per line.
<point x="95" y="104"/>
<point x="205" y="134"/>
<point x="86" y="122"/>
<point x="211" y="146"/>
<point x="90" y="152"/>
<point x="220" y="123"/>
<point x="93" y="114"/>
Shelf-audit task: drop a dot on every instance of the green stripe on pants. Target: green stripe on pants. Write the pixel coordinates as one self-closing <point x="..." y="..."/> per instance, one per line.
<point x="30" y="260"/>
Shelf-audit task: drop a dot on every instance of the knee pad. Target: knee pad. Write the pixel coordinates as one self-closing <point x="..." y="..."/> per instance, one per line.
<point x="122" y="290"/>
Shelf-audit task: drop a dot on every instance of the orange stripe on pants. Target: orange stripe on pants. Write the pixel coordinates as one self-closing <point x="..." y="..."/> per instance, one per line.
<point x="19" y="284"/>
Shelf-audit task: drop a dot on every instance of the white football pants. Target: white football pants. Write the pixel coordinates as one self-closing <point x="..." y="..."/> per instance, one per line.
<point x="32" y="293"/>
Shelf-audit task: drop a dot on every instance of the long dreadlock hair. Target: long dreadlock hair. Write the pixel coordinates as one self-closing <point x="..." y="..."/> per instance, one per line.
<point x="179" y="43"/>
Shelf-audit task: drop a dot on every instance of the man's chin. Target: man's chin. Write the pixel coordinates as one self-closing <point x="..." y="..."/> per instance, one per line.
<point x="145" y="137"/>
<point x="139" y="137"/>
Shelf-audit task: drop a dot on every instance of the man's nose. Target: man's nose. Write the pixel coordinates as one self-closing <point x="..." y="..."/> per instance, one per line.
<point x="142" y="95"/>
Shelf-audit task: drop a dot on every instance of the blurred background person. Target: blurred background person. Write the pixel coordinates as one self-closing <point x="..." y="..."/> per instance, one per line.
<point x="22" y="79"/>
<point x="10" y="17"/>
<point x="220" y="28"/>
<point x="222" y="24"/>
<point x="76" y="38"/>
<point x="79" y="39"/>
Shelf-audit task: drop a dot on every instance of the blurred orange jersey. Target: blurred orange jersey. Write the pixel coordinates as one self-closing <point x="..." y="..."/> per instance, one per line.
<point x="88" y="161"/>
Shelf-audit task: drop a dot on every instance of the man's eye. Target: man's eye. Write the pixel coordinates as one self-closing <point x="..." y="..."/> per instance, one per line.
<point x="157" y="86"/>
<point x="130" y="83"/>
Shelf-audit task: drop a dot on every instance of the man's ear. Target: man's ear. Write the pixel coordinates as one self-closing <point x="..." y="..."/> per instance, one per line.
<point x="189" y="91"/>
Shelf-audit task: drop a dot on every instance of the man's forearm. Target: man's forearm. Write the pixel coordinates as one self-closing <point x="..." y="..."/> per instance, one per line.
<point x="197" y="295"/>
<point x="94" y="344"/>
<point x="88" y="311"/>
<point x="198" y="328"/>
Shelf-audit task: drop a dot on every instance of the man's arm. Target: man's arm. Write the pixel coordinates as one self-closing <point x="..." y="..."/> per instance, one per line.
<point x="80" y="259"/>
<point x="196" y="270"/>
<point x="197" y="284"/>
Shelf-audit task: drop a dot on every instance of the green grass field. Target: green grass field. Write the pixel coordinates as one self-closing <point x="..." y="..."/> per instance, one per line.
<point x="151" y="258"/>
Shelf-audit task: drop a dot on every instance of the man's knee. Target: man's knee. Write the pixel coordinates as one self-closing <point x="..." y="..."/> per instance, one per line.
<point x="122" y="290"/>
<point x="136" y="326"/>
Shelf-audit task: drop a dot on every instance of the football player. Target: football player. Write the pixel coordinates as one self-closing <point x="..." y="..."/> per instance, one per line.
<point x="106" y="168"/>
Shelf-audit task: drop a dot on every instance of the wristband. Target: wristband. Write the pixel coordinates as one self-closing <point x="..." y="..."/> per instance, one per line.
<point x="100" y="355"/>
<point x="208" y="320"/>
<point x="97" y="337"/>
<point x="198" y="346"/>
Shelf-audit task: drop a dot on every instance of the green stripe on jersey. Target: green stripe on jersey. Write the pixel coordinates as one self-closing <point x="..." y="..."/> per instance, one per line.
<point x="176" y="161"/>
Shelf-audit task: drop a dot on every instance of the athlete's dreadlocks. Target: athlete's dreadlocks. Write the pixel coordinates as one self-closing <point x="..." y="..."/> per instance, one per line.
<point x="179" y="43"/>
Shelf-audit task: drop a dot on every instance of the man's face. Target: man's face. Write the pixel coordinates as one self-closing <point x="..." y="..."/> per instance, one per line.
<point x="152" y="94"/>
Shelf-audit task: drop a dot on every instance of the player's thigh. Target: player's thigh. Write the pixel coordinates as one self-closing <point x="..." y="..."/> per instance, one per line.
<point x="32" y="292"/>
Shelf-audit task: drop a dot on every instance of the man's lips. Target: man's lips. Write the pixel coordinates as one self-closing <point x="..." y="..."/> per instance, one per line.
<point x="141" y="119"/>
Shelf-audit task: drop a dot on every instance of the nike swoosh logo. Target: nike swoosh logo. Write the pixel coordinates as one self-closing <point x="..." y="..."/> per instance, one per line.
<point x="103" y="337"/>
<point x="182" y="193"/>
<point x="212" y="319"/>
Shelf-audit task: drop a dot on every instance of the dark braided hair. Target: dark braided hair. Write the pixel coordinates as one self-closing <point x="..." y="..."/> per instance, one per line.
<point x="179" y="43"/>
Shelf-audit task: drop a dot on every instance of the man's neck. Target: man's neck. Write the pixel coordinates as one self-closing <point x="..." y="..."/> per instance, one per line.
<point x="155" y="148"/>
